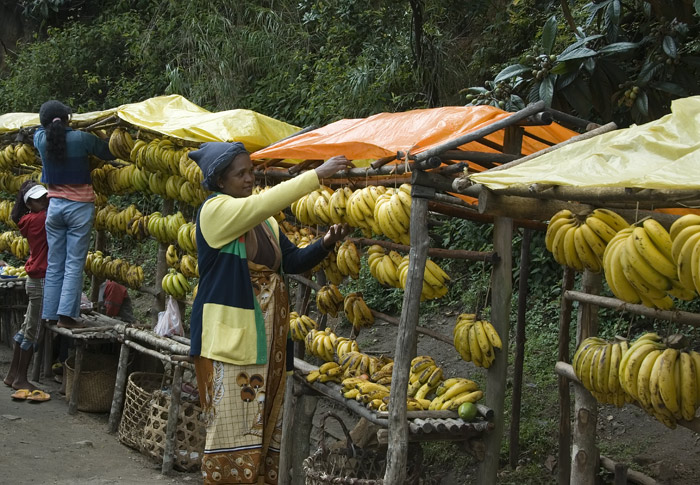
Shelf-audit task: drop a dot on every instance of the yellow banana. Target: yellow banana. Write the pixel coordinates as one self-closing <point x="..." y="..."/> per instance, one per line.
<point x="682" y="223"/>
<point x="688" y="386"/>
<point x="586" y="255"/>
<point x="651" y="254"/>
<point x="612" y="219"/>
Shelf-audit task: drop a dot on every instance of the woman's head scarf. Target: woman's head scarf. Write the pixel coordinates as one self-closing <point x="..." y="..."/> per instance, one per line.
<point x="213" y="158"/>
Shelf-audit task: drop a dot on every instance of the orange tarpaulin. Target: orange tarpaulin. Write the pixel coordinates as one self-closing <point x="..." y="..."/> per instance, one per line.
<point x="384" y="134"/>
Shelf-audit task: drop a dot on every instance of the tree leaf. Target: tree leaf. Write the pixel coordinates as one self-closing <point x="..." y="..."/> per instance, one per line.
<point x="670" y="88"/>
<point x="649" y="69"/>
<point x="549" y="34"/>
<point x="697" y="7"/>
<point x="580" y="53"/>
<point x="618" y="47"/>
<point x="669" y="46"/>
<point x="517" y="102"/>
<point x="512" y="71"/>
<point x="564" y="67"/>
<point x="578" y="95"/>
<point x="547" y="90"/>
<point x="579" y="43"/>
<point x="566" y="79"/>
<point x="612" y="20"/>
<point x="642" y="104"/>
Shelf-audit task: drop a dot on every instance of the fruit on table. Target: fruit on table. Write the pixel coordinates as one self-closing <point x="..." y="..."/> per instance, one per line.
<point x="467" y="411"/>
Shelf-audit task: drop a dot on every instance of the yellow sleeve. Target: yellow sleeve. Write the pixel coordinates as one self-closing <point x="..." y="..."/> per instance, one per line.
<point x="224" y="218"/>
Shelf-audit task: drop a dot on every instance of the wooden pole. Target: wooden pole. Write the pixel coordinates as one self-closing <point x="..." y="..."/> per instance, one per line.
<point x="173" y="414"/>
<point x="564" y="459"/>
<point x="628" y="476"/>
<point x="75" y="388"/>
<point x="303" y="424"/>
<point x="48" y="349"/>
<point x="285" y="462"/>
<point x="514" y="449"/>
<point x="584" y="453"/>
<point x="119" y="390"/>
<point x="161" y="268"/>
<point x="502" y="289"/>
<point x="406" y="341"/>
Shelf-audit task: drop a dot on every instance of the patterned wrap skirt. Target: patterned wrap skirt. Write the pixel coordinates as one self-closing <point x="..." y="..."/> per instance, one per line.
<point x="243" y="404"/>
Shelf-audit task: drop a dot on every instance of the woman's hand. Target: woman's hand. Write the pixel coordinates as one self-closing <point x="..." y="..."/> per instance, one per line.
<point x="335" y="233"/>
<point x="333" y="165"/>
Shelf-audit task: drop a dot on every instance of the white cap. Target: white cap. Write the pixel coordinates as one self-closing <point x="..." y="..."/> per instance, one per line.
<point x="36" y="192"/>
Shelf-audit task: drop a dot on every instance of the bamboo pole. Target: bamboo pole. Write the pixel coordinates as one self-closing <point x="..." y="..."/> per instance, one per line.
<point x="406" y="341"/>
<point x="514" y="448"/>
<point x="677" y="316"/>
<point x="584" y="453"/>
<point x="171" y="429"/>
<point x="432" y="252"/>
<point x="119" y="390"/>
<point x="501" y="287"/>
<point x="564" y="458"/>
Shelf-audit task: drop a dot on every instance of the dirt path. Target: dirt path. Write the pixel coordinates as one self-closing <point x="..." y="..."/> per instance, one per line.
<point x="41" y="443"/>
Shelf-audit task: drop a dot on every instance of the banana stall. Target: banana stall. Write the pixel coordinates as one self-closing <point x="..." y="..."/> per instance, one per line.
<point x="622" y="210"/>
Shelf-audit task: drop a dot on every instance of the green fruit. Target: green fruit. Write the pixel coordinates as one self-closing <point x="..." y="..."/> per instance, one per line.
<point x="467" y="411"/>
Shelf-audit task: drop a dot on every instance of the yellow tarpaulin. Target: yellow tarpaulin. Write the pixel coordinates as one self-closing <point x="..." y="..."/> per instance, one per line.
<point x="384" y="134"/>
<point x="662" y="154"/>
<point x="177" y="117"/>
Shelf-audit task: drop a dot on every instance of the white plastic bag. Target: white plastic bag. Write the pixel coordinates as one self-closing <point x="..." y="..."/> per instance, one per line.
<point x="169" y="322"/>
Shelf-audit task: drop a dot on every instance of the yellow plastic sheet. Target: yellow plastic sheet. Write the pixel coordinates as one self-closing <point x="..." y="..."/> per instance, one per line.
<point x="177" y="117"/>
<point x="384" y="134"/>
<point x="662" y="154"/>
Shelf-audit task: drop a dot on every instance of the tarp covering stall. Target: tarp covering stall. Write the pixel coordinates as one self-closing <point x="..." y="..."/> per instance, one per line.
<point x="662" y="154"/>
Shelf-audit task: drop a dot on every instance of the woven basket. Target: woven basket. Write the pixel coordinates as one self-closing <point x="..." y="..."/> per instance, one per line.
<point x="350" y="465"/>
<point x="97" y="377"/>
<point x="137" y="402"/>
<point x="190" y="433"/>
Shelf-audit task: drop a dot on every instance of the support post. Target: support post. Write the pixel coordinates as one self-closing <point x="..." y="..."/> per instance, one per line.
<point x="303" y="422"/>
<point x="173" y="414"/>
<point x="564" y="458"/>
<point x="48" y="349"/>
<point x="75" y="390"/>
<point x="119" y="389"/>
<point x="285" y="462"/>
<point x="406" y="341"/>
<point x="161" y="268"/>
<point x="502" y="291"/>
<point x="584" y="454"/>
<point x="514" y="449"/>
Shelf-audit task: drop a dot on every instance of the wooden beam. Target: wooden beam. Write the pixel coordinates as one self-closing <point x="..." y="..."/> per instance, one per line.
<point x="502" y="291"/>
<point x="629" y="475"/>
<point x="525" y="207"/>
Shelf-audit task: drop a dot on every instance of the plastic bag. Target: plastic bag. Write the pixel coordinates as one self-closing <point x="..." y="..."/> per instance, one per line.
<point x="169" y="322"/>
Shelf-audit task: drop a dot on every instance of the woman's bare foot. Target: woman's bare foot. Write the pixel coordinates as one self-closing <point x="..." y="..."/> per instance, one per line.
<point x="68" y="322"/>
<point x="24" y="384"/>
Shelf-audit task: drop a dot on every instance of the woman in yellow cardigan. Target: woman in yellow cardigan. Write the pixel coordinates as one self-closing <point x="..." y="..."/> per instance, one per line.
<point x="240" y="317"/>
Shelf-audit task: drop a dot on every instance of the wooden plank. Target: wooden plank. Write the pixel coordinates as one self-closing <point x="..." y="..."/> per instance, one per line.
<point x="75" y="388"/>
<point x="564" y="458"/>
<point x="303" y="423"/>
<point x="584" y="454"/>
<point x="406" y="342"/>
<point x="518" y="360"/>
<point x="119" y="390"/>
<point x="502" y="289"/>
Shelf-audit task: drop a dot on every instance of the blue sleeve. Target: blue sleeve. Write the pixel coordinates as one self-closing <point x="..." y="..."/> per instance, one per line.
<point x="300" y="260"/>
<point x="97" y="146"/>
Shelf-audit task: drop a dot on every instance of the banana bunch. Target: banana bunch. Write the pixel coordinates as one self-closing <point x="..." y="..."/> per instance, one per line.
<point x="637" y="267"/>
<point x="434" y="279"/>
<point x="329" y="264"/>
<point x="175" y="284"/>
<point x="300" y="325"/>
<point x="189" y="169"/>
<point x="412" y="404"/>
<point x="597" y="365"/>
<point x="18" y="271"/>
<point x="357" y="311"/>
<point x="5" y="211"/>
<point x="392" y="211"/>
<point x="356" y="363"/>
<point x="385" y="267"/>
<point x="475" y="340"/>
<point x="115" y="221"/>
<point x="343" y="345"/>
<point x="321" y="343"/>
<point x="665" y="381"/>
<point x="369" y="393"/>
<point x="329" y="371"/>
<point x="172" y="257"/>
<point x="157" y="183"/>
<point x="685" y="251"/>
<point x="108" y="179"/>
<point x="187" y="238"/>
<point x="137" y="227"/>
<point x="359" y="209"/>
<point x="11" y="183"/>
<point x="116" y="269"/>
<point x="308" y="212"/>
<point x="189" y="266"/>
<point x="121" y="143"/>
<point x="383" y="375"/>
<point x="424" y="377"/>
<point x="348" y="260"/>
<point x="338" y="203"/>
<point x="15" y="155"/>
<point x="15" y="243"/>
<point x="158" y="155"/>
<point x="581" y="245"/>
<point x="329" y="300"/>
<point x="165" y="229"/>
<point x="8" y="159"/>
<point x="453" y="392"/>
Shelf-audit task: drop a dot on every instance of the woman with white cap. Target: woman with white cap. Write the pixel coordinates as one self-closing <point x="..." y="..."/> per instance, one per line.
<point x="29" y="213"/>
<point x="66" y="170"/>
<point x="240" y="316"/>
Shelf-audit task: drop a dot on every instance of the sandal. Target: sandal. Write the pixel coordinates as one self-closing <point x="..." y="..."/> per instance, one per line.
<point x="21" y="394"/>
<point x="38" y="396"/>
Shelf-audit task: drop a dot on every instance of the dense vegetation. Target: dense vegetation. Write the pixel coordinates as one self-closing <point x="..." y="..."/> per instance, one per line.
<point x="311" y="62"/>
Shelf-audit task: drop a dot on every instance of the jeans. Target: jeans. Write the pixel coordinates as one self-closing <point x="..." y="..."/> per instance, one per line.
<point x="68" y="227"/>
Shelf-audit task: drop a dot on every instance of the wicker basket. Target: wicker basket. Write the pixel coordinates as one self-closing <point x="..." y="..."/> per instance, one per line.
<point x="350" y="465"/>
<point x="190" y="433"/>
<point x="137" y="402"/>
<point x="97" y="378"/>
